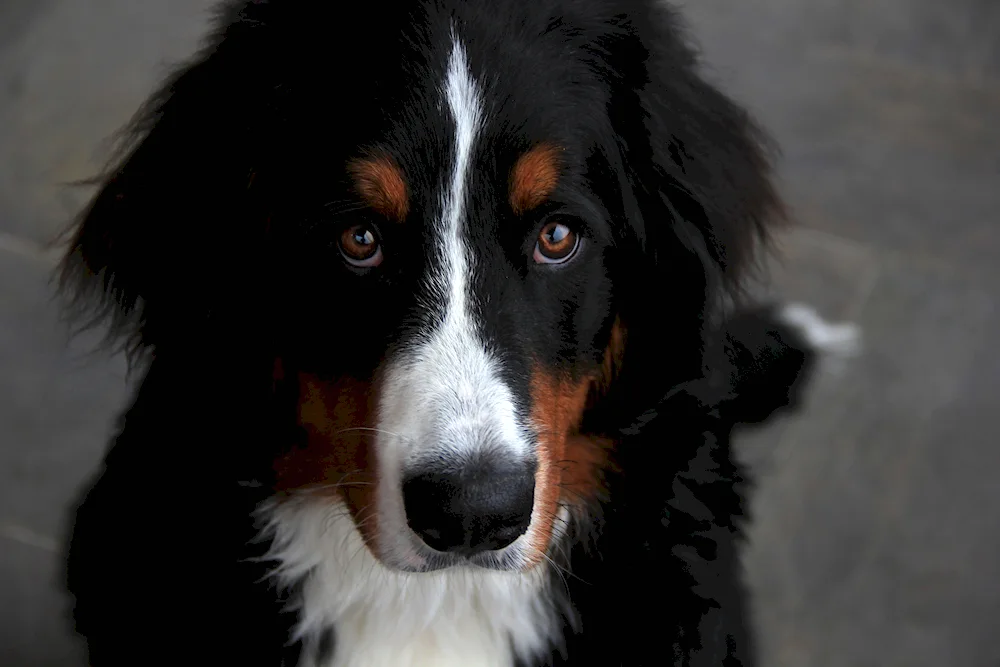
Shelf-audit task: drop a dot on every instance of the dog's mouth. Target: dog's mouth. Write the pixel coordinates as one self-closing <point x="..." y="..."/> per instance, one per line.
<point x="497" y="507"/>
<point x="417" y="557"/>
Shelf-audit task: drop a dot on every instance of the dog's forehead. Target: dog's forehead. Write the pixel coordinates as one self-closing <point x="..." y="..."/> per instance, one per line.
<point x="468" y="98"/>
<point x="453" y="149"/>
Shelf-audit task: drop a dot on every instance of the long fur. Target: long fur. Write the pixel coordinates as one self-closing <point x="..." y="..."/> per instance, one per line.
<point x="179" y="554"/>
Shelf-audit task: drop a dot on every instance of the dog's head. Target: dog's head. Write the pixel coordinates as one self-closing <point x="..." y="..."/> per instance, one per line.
<point x="459" y="236"/>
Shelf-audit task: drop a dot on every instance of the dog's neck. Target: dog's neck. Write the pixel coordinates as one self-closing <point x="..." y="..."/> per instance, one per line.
<point x="380" y="617"/>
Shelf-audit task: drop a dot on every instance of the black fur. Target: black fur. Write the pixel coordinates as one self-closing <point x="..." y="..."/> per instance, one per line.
<point x="661" y="581"/>
<point x="208" y="247"/>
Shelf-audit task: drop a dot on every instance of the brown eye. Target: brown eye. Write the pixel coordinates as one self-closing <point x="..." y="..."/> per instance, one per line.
<point x="557" y="243"/>
<point x="360" y="246"/>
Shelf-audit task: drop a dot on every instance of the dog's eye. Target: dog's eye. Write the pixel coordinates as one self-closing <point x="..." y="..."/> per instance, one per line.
<point x="557" y="243"/>
<point x="359" y="244"/>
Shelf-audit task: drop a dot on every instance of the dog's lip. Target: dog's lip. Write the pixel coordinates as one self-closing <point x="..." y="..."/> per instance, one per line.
<point x="420" y="558"/>
<point x="433" y="562"/>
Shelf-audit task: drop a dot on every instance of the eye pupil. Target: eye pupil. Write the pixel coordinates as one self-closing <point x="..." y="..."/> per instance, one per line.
<point x="558" y="233"/>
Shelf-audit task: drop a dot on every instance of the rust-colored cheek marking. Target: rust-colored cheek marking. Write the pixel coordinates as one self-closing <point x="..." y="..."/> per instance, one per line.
<point x="534" y="177"/>
<point x="379" y="181"/>
<point x="337" y="458"/>
<point x="569" y="463"/>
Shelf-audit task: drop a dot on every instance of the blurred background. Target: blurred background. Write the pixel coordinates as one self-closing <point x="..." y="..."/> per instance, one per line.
<point x="877" y="532"/>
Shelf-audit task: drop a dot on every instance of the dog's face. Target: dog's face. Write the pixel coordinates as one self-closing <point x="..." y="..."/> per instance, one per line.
<point x="462" y="313"/>
<point x="450" y="256"/>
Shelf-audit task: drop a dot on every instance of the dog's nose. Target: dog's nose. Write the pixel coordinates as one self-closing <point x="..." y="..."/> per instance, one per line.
<point x="478" y="509"/>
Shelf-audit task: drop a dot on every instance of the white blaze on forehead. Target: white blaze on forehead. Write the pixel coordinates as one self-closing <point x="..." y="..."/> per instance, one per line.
<point x="443" y="399"/>
<point x="464" y="104"/>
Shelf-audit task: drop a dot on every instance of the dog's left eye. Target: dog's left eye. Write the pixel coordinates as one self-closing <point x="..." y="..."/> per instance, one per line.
<point x="360" y="246"/>
<point x="557" y="243"/>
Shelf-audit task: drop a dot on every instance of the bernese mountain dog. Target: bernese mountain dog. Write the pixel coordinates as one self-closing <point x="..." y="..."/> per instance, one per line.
<point x="429" y="299"/>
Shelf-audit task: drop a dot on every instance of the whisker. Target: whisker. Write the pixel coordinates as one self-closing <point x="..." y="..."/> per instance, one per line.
<point x="585" y="500"/>
<point x="560" y="570"/>
<point x="339" y="206"/>
<point x="342" y="482"/>
<point x="372" y="430"/>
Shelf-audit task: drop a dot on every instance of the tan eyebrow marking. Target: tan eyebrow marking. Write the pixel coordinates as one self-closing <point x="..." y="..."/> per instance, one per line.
<point x="534" y="177"/>
<point x="380" y="183"/>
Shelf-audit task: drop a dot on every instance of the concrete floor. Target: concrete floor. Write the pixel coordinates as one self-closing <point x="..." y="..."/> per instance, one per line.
<point x="877" y="540"/>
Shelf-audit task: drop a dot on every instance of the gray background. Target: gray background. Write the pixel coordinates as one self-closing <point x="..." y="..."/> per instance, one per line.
<point x="877" y="537"/>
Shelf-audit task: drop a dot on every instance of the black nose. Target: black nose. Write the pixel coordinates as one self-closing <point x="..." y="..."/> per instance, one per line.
<point x="480" y="508"/>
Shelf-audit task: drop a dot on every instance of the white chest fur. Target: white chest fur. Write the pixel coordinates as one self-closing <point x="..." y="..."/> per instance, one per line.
<point x="382" y="617"/>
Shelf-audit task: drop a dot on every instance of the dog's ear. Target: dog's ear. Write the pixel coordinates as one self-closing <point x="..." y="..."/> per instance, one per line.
<point x="697" y="200"/>
<point x="154" y="251"/>
<point x="701" y="168"/>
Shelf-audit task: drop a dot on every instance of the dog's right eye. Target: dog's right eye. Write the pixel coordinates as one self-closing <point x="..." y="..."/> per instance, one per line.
<point x="360" y="246"/>
<point x="557" y="243"/>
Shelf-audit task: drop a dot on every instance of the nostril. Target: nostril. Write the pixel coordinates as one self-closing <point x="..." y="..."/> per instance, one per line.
<point x="428" y="500"/>
<point x="431" y="533"/>
<point x="504" y="535"/>
<point x="471" y="511"/>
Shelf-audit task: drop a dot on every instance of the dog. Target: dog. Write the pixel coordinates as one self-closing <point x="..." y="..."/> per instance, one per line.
<point x="429" y="302"/>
